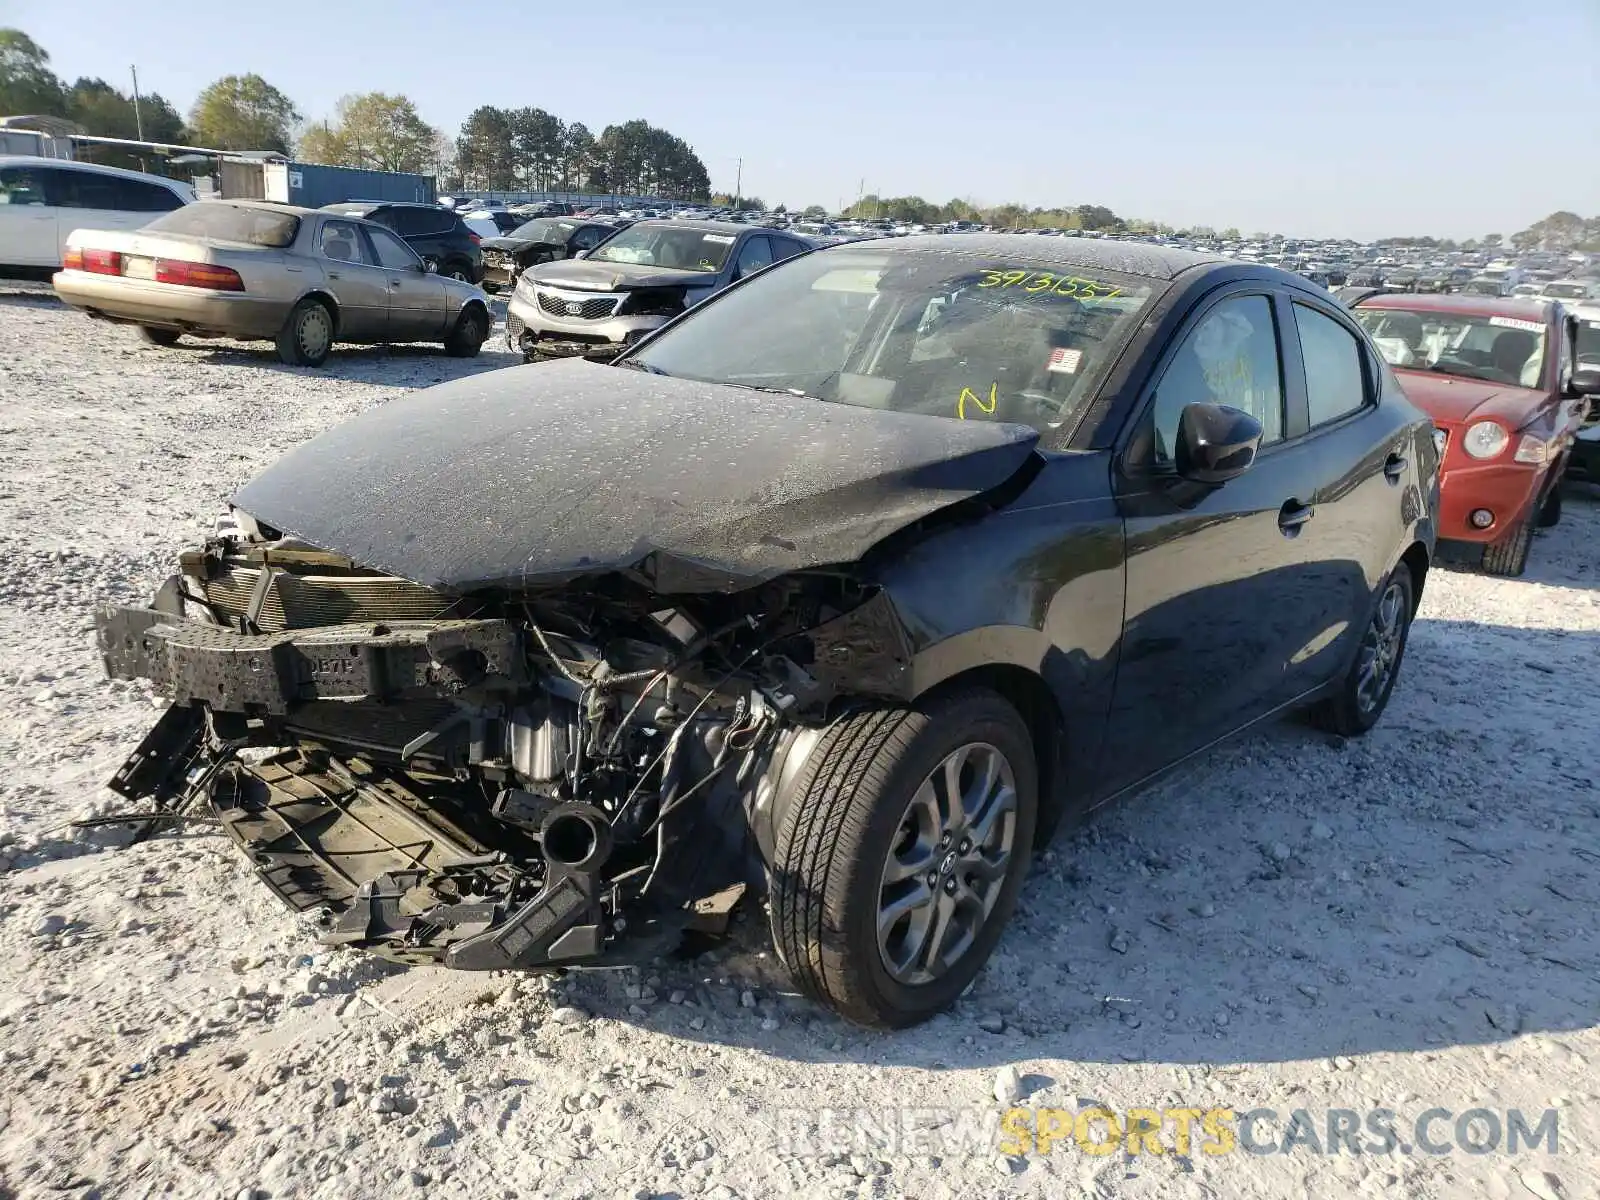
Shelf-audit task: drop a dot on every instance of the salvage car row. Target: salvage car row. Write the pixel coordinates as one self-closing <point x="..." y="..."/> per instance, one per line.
<point x="844" y="587"/>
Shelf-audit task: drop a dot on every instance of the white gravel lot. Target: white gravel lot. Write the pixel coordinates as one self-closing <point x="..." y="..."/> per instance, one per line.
<point x="1406" y="921"/>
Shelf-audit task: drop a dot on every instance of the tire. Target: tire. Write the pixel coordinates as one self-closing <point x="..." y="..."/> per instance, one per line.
<point x="153" y="336"/>
<point x="470" y="332"/>
<point x="1509" y="556"/>
<point x="1550" y="510"/>
<point x="307" y="335"/>
<point x="855" y="816"/>
<point x="1357" y="705"/>
<point x="459" y="273"/>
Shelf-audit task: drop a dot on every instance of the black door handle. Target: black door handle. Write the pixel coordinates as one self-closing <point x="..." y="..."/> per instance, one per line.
<point x="1293" y="515"/>
<point x="1394" y="466"/>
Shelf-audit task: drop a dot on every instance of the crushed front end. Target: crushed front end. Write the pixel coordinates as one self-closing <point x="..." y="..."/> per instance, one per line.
<point x="565" y="775"/>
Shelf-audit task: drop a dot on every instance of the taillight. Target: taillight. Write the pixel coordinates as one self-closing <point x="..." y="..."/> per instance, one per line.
<point x="476" y="240"/>
<point x="200" y="275"/>
<point x="97" y="262"/>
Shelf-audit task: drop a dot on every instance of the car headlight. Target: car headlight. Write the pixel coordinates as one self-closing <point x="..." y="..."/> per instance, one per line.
<point x="1485" y="439"/>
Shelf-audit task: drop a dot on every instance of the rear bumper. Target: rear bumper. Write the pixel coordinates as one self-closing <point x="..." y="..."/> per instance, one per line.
<point x="170" y="306"/>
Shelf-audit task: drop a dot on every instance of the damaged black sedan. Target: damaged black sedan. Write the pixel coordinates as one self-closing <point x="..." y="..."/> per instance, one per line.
<point x="841" y="591"/>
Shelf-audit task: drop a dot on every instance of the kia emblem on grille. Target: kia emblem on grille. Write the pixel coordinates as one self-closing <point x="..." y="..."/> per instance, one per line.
<point x="573" y="308"/>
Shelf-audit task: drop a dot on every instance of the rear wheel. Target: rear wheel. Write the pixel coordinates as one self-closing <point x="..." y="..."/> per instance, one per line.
<point x="456" y="271"/>
<point x="307" y="335"/>
<point x="1365" y="690"/>
<point x="900" y="858"/>
<point x="470" y="332"/>
<point x="1509" y="556"/>
<point x="159" y="337"/>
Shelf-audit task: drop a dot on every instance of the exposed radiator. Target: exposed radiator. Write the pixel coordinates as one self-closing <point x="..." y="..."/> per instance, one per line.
<point x="303" y="601"/>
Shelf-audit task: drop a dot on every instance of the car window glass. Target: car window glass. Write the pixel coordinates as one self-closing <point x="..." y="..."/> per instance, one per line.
<point x="755" y="254"/>
<point x="783" y="248"/>
<point x="401" y="220"/>
<point x="88" y="189"/>
<point x="22" y="185"/>
<point x="134" y="195"/>
<point x="341" y="242"/>
<point x="588" y="239"/>
<point x="1230" y="358"/>
<point x="392" y="252"/>
<point x="1335" y="382"/>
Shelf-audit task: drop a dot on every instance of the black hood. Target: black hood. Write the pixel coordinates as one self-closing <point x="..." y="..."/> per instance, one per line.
<point x="544" y="473"/>
<point x="594" y="276"/>
<point x="514" y="245"/>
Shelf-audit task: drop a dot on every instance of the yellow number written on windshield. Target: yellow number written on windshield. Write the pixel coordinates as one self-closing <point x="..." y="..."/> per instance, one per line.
<point x="1045" y="283"/>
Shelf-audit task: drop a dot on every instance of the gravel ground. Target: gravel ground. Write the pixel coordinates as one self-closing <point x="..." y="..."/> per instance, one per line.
<point x="1295" y="923"/>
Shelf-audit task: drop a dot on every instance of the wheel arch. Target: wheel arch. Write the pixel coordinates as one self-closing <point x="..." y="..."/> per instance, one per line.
<point x="1027" y="692"/>
<point x="1415" y="559"/>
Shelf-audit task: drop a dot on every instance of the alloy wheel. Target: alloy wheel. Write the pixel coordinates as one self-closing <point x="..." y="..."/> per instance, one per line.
<point x="1380" y="648"/>
<point x="948" y="863"/>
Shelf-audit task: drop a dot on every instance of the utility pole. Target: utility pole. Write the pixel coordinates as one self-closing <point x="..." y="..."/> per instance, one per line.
<point x="138" y="120"/>
<point x="738" y="184"/>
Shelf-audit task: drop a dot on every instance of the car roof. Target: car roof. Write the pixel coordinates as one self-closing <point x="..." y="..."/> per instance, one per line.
<point x="706" y="226"/>
<point x="1473" y="306"/>
<point x="294" y="210"/>
<point x="1128" y="258"/>
<point x="366" y="206"/>
<point x="72" y="164"/>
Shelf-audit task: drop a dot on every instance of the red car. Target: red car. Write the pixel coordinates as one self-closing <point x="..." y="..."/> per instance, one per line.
<point x="1497" y="377"/>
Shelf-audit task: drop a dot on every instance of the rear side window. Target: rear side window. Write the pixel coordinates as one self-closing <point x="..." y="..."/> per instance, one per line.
<point x="230" y="223"/>
<point x="1336" y="383"/>
<point x="88" y="189"/>
<point x="416" y="222"/>
<point x="783" y="248"/>
<point x="135" y="195"/>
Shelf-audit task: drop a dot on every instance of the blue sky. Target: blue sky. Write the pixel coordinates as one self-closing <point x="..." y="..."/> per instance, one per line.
<point x="1359" y="118"/>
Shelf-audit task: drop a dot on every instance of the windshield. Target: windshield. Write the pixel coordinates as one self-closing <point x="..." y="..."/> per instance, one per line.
<point x="1566" y="291"/>
<point x="545" y="229"/>
<point x="230" y="223"/>
<point x="1496" y="349"/>
<point x="673" y="246"/>
<point x="933" y="332"/>
<point x="1588" y="347"/>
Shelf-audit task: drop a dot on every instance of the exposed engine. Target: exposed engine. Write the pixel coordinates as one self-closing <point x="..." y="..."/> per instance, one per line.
<point x="499" y="780"/>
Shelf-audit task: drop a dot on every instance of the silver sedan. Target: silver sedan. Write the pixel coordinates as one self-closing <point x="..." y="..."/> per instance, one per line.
<point x="300" y="278"/>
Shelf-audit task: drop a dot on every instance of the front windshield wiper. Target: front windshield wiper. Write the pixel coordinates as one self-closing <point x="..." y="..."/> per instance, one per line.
<point x="771" y="391"/>
<point x="634" y="364"/>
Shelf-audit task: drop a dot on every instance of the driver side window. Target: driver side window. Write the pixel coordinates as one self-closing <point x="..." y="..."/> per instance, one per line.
<point x="1230" y="358"/>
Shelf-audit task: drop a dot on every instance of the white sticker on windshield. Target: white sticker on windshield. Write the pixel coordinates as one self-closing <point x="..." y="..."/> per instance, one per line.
<point x="1517" y="323"/>
<point x="1065" y="361"/>
<point x="722" y="239"/>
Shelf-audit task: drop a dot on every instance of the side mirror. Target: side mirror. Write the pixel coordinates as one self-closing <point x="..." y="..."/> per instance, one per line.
<point x="579" y="254"/>
<point x="1586" y="382"/>
<point x="429" y="267"/>
<point x="1215" y="443"/>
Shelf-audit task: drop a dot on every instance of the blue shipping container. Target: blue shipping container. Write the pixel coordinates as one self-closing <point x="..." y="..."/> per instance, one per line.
<point x="312" y="185"/>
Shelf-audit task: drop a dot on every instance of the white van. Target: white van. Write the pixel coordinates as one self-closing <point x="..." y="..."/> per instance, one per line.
<point x="42" y="200"/>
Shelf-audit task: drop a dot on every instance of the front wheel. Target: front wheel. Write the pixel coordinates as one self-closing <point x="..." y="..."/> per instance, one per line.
<point x="1364" y="693"/>
<point x="470" y="332"/>
<point x="307" y="335"/>
<point x="1509" y="556"/>
<point x="900" y="857"/>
